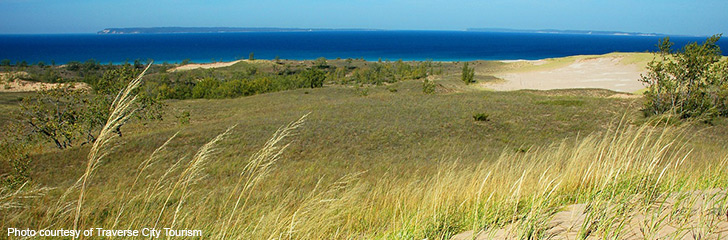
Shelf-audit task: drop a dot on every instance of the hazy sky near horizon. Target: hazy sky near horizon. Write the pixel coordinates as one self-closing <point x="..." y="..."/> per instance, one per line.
<point x="696" y="17"/>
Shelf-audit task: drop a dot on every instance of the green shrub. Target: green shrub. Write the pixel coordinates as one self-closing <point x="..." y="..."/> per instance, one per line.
<point x="392" y="89"/>
<point x="205" y="88"/>
<point x="690" y="83"/>
<point x="314" y="77"/>
<point x="15" y="147"/>
<point x="385" y="72"/>
<point x="320" y="63"/>
<point x="468" y="74"/>
<point x="481" y="117"/>
<point x="428" y="87"/>
<point x="73" y="66"/>
<point x="362" y="91"/>
<point x="184" y="117"/>
<point x="48" y="75"/>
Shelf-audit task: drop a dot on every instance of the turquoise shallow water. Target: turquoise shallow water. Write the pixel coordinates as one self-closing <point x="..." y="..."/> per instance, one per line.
<point x="370" y="45"/>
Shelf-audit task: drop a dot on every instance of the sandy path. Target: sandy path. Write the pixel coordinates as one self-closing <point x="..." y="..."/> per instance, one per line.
<point x="602" y="72"/>
<point x="681" y="216"/>
<point x="203" y="66"/>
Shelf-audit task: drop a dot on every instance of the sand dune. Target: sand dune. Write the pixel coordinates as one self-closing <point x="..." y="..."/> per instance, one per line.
<point x="607" y="72"/>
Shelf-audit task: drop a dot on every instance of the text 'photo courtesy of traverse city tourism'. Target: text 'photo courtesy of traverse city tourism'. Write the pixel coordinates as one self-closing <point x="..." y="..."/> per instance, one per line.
<point x="302" y="119"/>
<point x="100" y="232"/>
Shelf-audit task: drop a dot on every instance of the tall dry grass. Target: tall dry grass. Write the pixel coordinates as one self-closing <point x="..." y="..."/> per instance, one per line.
<point x="121" y="110"/>
<point x="618" y="174"/>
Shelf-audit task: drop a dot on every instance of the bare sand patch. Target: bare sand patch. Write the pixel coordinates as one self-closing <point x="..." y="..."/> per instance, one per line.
<point x="606" y="72"/>
<point x="204" y="65"/>
<point x="687" y="215"/>
<point x="28" y="86"/>
<point x="10" y="82"/>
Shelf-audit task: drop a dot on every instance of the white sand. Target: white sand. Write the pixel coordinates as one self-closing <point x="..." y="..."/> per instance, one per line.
<point x="602" y="72"/>
<point x="204" y="66"/>
<point x="534" y="62"/>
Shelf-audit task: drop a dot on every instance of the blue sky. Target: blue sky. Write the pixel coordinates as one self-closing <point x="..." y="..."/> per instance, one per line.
<point x="697" y="17"/>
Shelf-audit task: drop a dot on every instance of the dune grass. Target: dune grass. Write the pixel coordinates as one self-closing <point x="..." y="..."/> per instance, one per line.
<point x="390" y="165"/>
<point x="622" y="170"/>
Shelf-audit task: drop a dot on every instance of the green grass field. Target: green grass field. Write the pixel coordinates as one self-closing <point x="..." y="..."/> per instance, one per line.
<point x="389" y="165"/>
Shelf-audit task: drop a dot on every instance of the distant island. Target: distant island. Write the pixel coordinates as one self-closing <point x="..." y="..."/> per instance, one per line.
<point x="163" y="30"/>
<point x="153" y="30"/>
<point x="554" y="31"/>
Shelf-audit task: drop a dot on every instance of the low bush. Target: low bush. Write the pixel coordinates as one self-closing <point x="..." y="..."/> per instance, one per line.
<point x="428" y="87"/>
<point x="481" y="117"/>
<point x="468" y="74"/>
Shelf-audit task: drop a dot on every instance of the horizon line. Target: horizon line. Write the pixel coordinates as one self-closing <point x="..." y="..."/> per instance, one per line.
<point x="470" y="29"/>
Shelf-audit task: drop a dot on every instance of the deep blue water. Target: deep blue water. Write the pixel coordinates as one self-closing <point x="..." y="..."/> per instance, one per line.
<point x="370" y="45"/>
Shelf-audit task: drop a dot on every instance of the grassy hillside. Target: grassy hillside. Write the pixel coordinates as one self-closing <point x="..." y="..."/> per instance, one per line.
<point x="372" y="162"/>
<point x="406" y="127"/>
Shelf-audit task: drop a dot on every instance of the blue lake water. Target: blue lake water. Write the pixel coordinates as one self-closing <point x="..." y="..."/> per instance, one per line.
<point x="370" y="45"/>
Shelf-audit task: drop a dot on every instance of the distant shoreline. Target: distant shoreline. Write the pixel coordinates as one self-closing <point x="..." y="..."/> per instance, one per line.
<point x="175" y="30"/>
<point x="574" y="32"/>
